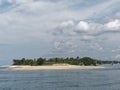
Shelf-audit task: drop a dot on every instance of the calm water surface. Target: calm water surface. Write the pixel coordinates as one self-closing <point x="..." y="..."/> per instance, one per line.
<point x="99" y="79"/>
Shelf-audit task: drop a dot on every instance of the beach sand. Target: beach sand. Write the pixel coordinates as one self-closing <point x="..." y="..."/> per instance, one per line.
<point x="52" y="67"/>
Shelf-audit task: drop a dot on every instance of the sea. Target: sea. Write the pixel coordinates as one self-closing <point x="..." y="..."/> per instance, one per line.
<point x="94" y="79"/>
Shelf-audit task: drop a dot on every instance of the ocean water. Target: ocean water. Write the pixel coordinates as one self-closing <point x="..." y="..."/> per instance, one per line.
<point x="97" y="79"/>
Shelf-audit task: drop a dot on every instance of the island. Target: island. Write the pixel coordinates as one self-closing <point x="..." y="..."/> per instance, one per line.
<point x="58" y="63"/>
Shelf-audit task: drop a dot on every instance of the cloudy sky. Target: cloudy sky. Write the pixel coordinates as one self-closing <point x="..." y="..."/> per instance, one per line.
<point x="59" y="28"/>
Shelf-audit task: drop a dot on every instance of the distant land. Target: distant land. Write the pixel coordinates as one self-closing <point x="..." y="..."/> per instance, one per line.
<point x="86" y="61"/>
<point x="58" y="63"/>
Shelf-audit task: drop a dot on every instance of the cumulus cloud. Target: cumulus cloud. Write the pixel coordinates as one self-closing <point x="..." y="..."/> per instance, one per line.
<point x="86" y="28"/>
<point x="113" y="25"/>
<point x="61" y="25"/>
<point x="82" y="25"/>
<point x="87" y="32"/>
<point x="65" y="24"/>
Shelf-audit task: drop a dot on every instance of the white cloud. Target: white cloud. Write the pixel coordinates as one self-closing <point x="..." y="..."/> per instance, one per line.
<point x="34" y="21"/>
<point x="69" y="23"/>
<point x="83" y="26"/>
<point x="87" y="28"/>
<point x="113" y="25"/>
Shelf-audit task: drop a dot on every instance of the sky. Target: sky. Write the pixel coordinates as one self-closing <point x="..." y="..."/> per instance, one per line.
<point x="59" y="28"/>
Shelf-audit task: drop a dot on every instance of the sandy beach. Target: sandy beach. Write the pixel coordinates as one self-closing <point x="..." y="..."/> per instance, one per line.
<point x="52" y="67"/>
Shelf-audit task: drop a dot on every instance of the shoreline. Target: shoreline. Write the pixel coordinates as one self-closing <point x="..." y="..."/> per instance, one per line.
<point x="52" y="67"/>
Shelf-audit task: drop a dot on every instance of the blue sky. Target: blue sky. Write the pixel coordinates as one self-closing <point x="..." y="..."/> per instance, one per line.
<point x="59" y="28"/>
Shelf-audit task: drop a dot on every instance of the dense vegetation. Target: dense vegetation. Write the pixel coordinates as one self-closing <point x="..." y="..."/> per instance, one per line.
<point x="72" y="61"/>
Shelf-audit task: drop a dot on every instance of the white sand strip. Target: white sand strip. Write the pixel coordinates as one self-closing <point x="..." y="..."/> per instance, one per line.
<point x="52" y="67"/>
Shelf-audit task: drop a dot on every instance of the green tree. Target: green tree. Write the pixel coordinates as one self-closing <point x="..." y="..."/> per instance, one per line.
<point x="88" y="61"/>
<point x="40" y="61"/>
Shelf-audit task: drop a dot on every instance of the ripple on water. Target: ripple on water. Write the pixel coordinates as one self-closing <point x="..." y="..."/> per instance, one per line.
<point x="100" y="79"/>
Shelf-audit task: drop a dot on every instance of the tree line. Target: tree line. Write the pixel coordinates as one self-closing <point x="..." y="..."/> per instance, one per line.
<point x="72" y="61"/>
